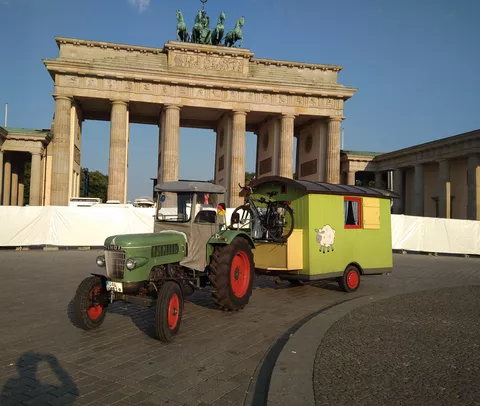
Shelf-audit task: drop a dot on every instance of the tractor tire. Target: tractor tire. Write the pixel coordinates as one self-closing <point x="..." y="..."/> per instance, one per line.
<point x="232" y="273"/>
<point x="350" y="280"/>
<point x="168" y="311"/>
<point x="87" y="315"/>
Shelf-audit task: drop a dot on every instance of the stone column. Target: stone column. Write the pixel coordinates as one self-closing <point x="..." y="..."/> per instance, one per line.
<point x="333" y="150"/>
<point x="1" y="176"/>
<point x="286" y="146"/>
<point x="257" y="171"/>
<point x="444" y="189"/>
<point x="171" y="149"/>
<point x="161" y="137"/>
<point x="473" y="178"/>
<point x="379" y="179"/>
<point x="35" y="179"/>
<point x="297" y="158"/>
<point x="21" y="182"/>
<point x="61" y="152"/>
<point x="398" y="204"/>
<point x="237" y="153"/>
<point x="351" y="178"/>
<point x="14" y="187"/>
<point x="7" y="179"/>
<point x="418" y="190"/>
<point x="171" y="143"/>
<point x="118" y="144"/>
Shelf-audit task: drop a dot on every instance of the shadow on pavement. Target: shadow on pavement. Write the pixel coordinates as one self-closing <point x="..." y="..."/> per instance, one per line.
<point x="27" y="386"/>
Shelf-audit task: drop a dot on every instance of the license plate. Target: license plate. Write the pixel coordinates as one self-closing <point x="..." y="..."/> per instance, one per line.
<point x="115" y="286"/>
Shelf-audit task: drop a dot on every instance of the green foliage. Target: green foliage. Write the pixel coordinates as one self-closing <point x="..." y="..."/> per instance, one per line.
<point x="249" y="177"/>
<point x="97" y="186"/>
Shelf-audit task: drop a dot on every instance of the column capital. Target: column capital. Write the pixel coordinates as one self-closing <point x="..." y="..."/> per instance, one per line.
<point x="289" y="115"/>
<point x="122" y="102"/>
<point x="172" y="107"/>
<point x="336" y="118"/>
<point x="240" y="112"/>
<point x="62" y="97"/>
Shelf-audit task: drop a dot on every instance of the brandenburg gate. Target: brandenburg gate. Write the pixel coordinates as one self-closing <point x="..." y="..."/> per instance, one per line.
<point x="194" y="84"/>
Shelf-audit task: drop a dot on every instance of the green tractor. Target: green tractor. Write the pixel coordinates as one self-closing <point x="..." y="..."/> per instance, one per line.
<point x="190" y="248"/>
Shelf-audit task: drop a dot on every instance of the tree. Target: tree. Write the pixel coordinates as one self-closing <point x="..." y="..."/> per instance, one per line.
<point x="97" y="184"/>
<point x="249" y="177"/>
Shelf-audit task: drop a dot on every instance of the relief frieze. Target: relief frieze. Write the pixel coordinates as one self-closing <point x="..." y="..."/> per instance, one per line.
<point x="161" y="89"/>
<point x="109" y="84"/>
<point x="92" y="83"/>
<point x="208" y="63"/>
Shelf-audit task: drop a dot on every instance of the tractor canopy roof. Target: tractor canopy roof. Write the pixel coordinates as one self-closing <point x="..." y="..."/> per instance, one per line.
<point x="309" y="187"/>
<point x="189" y="186"/>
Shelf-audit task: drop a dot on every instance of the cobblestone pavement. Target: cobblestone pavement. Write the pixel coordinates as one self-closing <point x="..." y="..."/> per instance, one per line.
<point x="412" y="349"/>
<point x="215" y="359"/>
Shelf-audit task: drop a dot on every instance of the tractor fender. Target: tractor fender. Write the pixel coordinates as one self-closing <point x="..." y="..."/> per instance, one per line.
<point x="226" y="238"/>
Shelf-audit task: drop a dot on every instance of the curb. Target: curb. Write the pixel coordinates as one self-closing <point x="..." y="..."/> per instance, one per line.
<point x="291" y="381"/>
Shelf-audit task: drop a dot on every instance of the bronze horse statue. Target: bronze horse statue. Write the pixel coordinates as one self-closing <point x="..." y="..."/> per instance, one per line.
<point x="182" y="30"/>
<point x="217" y="34"/>
<point x="236" y="34"/>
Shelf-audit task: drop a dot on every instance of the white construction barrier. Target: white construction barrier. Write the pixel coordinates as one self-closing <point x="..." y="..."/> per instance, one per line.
<point x="435" y="235"/>
<point x="89" y="226"/>
<point x="70" y="226"/>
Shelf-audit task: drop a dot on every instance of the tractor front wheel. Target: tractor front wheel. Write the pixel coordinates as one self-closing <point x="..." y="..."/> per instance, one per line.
<point x="168" y="311"/>
<point x="89" y="314"/>
<point x="232" y="274"/>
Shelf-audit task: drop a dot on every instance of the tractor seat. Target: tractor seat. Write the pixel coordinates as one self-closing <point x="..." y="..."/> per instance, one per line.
<point x="206" y="216"/>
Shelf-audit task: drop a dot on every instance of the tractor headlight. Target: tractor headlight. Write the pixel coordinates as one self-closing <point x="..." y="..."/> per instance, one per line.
<point x="131" y="264"/>
<point x="101" y="261"/>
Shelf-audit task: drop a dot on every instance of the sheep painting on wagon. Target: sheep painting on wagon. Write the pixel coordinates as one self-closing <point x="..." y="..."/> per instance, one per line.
<point x="326" y="238"/>
<point x="340" y="232"/>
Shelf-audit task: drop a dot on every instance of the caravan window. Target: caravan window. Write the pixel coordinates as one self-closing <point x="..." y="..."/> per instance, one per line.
<point x="352" y="212"/>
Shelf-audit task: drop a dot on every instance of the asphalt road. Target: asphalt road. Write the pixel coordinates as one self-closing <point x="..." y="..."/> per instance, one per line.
<point x="414" y="349"/>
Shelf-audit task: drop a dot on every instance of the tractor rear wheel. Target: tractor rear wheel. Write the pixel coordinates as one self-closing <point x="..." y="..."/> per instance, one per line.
<point x="232" y="274"/>
<point x="168" y="311"/>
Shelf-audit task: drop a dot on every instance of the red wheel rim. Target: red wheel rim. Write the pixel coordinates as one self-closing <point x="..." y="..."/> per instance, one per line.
<point x="173" y="311"/>
<point x="240" y="274"/>
<point x="94" y="312"/>
<point x="352" y="279"/>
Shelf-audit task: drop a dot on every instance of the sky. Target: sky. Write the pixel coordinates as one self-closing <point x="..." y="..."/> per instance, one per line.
<point x="415" y="64"/>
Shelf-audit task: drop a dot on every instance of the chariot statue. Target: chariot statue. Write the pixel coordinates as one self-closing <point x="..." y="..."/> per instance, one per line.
<point x="202" y="34"/>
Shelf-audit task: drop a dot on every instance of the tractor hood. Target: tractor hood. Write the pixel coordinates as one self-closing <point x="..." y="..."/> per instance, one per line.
<point x="145" y="240"/>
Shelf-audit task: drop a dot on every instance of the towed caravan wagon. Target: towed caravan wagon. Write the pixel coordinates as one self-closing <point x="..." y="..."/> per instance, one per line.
<point x="340" y="232"/>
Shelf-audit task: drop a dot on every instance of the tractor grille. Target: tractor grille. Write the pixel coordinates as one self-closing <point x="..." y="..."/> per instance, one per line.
<point x="115" y="263"/>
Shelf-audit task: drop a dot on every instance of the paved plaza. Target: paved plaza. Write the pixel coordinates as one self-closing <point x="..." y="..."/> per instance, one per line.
<point x="218" y="358"/>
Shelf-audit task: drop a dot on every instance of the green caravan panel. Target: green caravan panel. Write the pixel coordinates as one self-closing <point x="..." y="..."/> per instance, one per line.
<point x="370" y="248"/>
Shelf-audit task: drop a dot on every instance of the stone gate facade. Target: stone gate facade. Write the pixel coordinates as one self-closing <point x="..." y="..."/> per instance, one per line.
<point x="201" y="86"/>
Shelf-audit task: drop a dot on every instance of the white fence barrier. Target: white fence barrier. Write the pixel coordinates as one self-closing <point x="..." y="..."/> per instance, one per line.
<point x="427" y="234"/>
<point x="89" y="226"/>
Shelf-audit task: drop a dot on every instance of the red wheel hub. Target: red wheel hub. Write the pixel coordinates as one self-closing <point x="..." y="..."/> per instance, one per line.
<point x="352" y="279"/>
<point x="173" y="311"/>
<point x="240" y="274"/>
<point x="95" y="311"/>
